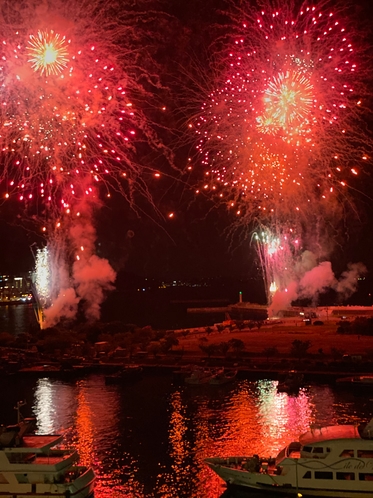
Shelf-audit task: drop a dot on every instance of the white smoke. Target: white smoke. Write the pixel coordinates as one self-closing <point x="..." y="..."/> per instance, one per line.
<point x="64" y="306"/>
<point x="92" y="278"/>
<point x="89" y="276"/>
<point x="312" y="279"/>
<point x="346" y="285"/>
<point x="317" y="280"/>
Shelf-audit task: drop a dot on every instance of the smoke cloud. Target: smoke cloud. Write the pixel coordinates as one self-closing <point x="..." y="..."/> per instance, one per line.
<point x="92" y="278"/>
<point x="89" y="277"/>
<point x="313" y="279"/>
<point x="64" y="306"/>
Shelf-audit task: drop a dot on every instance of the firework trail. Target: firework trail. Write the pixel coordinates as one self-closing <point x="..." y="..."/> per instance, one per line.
<point x="281" y="134"/>
<point x="73" y="86"/>
<point x="277" y="252"/>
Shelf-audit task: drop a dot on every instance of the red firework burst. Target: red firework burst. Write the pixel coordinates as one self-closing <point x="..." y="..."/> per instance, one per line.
<point x="67" y="121"/>
<point x="281" y="130"/>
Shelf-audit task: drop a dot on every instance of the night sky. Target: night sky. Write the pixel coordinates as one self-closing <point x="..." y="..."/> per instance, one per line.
<point x="196" y="242"/>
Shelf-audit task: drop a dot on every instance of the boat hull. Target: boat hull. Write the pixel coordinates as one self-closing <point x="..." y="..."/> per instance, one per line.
<point x="304" y="492"/>
<point x="82" y="487"/>
<point x="275" y="486"/>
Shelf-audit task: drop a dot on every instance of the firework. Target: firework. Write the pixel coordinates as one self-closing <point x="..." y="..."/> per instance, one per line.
<point x="67" y="116"/>
<point x="69" y="130"/>
<point x="68" y="272"/>
<point x="277" y="251"/>
<point x="280" y="130"/>
<point x="51" y="278"/>
<point x="48" y="53"/>
<point x="41" y="279"/>
<point x="279" y="134"/>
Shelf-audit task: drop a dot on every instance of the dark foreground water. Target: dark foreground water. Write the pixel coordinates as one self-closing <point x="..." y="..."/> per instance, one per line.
<point x="149" y="439"/>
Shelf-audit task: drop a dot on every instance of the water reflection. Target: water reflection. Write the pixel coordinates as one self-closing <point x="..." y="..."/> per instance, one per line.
<point x="149" y="440"/>
<point x="16" y="318"/>
<point x="54" y="405"/>
<point x="280" y="417"/>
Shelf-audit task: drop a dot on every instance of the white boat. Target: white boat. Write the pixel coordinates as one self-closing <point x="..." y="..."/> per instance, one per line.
<point x="198" y="376"/>
<point x="31" y="466"/>
<point x="334" y="461"/>
<point x="223" y="377"/>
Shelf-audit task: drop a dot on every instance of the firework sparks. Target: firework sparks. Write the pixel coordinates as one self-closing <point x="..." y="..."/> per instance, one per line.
<point x="277" y="251"/>
<point x="287" y="105"/>
<point x="69" y="129"/>
<point x="48" y="53"/>
<point x="66" y="113"/>
<point x="41" y="279"/>
<point x="279" y="134"/>
<point x="280" y="129"/>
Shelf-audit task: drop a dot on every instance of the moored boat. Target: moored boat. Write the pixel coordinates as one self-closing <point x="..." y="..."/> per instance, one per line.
<point x="334" y="461"/>
<point x="31" y="465"/>
<point x="223" y="377"/>
<point x="198" y="376"/>
<point x="129" y="373"/>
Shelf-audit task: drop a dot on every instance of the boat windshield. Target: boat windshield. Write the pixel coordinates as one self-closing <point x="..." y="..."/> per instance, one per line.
<point x="293" y="448"/>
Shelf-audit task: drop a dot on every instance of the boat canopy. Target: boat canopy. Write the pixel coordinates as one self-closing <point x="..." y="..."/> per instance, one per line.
<point x="320" y="434"/>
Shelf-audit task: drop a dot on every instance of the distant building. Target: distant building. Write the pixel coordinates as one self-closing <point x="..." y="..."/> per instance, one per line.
<point x="15" y="288"/>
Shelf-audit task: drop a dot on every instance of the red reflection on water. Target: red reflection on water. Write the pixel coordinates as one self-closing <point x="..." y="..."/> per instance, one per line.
<point x="96" y="426"/>
<point x="84" y="433"/>
<point x="169" y="484"/>
<point x="247" y="418"/>
<point x="254" y="419"/>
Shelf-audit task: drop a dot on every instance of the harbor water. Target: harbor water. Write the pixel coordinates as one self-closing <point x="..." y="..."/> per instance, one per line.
<point x="149" y="439"/>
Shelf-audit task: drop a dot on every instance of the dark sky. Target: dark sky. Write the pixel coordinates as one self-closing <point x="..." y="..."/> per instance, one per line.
<point x="195" y="242"/>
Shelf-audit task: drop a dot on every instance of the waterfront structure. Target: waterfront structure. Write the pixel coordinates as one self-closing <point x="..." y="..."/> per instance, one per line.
<point x="15" y="289"/>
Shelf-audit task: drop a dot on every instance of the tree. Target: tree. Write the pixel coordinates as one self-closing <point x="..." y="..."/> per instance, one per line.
<point x="362" y="326"/>
<point x="223" y="347"/>
<point x="169" y="341"/>
<point x="144" y="336"/>
<point x="270" y="352"/>
<point x="237" y="345"/>
<point x="299" y="348"/>
<point x="240" y="324"/>
<point x="154" y="348"/>
<point x="208" y="349"/>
